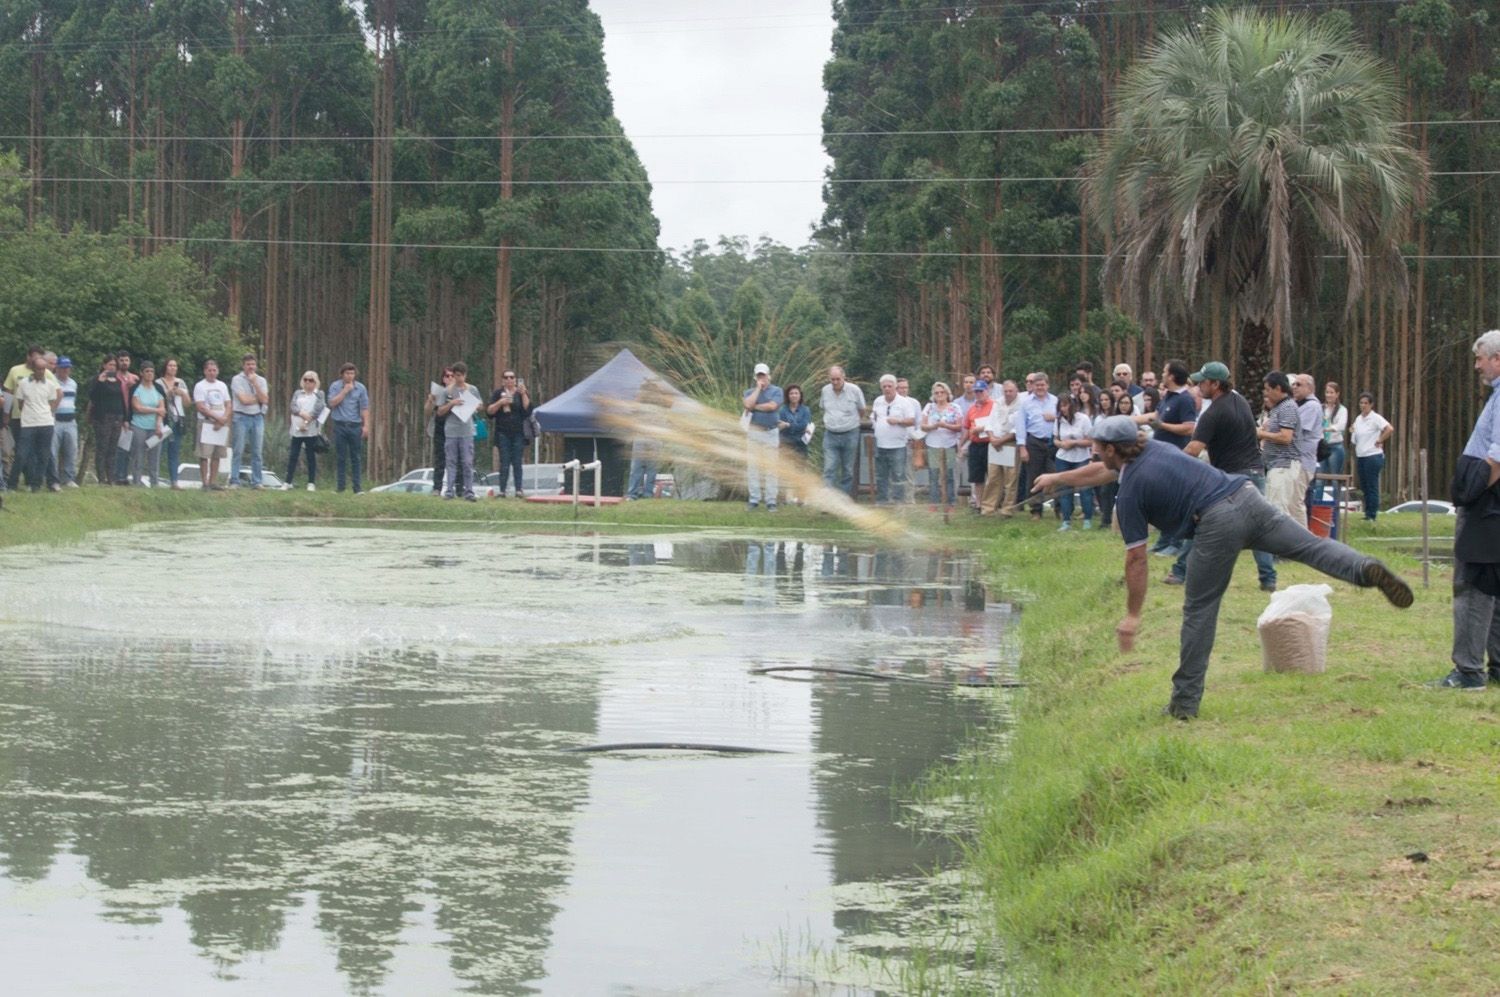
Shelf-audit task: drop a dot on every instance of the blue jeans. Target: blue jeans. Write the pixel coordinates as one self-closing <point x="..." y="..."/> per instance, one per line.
<point x="347" y="437"/>
<point x="253" y="428"/>
<point x="512" y="451"/>
<point x="1265" y="564"/>
<point x="1369" y="469"/>
<point x="892" y="475"/>
<point x="33" y="448"/>
<point x="65" y="451"/>
<point x="174" y="450"/>
<point x="839" y="451"/>
<point x="1065" y="500"/>
<point x="1337" y="456"/>
<point x="642" y="479"/>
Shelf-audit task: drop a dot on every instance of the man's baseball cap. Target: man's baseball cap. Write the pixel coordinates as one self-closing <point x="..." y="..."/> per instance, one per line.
<point x="1115" y="429"/>
<point x="981" y="385"/>
<point x="1212" y="371"/>
<point x="761" y="368"/>
<point x="64" y="362"/>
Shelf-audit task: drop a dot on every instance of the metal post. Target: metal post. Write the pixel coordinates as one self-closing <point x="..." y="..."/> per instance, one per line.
<point x="574" y="465"/>
<point x="1422" y="456"/>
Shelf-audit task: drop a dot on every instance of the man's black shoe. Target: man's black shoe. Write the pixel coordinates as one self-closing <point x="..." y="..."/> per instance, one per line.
<point x="1268" y="586"/>
<point x="1495" y="672"/>
<point x="1459" y="680"/>
<point x="1178" y="712"/>
<point x="1173" y="579"/>
<point x="1389" y="583"/>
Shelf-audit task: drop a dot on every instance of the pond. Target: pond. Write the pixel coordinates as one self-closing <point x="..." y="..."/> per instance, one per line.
<point x="260" y="757"/>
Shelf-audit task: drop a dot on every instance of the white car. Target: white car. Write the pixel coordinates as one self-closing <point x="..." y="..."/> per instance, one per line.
<point x="188" y="476"/>
<point x="1435" y="507"/>
<point x="406" y="487"/>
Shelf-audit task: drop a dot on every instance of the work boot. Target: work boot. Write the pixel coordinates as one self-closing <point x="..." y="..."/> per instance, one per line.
<point x="1390" y="584"/>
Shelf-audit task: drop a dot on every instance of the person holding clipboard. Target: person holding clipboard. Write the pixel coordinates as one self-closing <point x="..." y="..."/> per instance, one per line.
<point x="460" y="403"/>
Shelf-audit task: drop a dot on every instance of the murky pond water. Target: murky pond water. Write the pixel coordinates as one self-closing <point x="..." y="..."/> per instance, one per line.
<point x="316" y="759"/>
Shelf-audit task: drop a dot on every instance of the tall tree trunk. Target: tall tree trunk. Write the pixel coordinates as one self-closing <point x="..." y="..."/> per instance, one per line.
<point x="1255" y="355"/>
<point x="378" y="371"/>
<point x="237" y="170"/>
<point x="507" y="178"/>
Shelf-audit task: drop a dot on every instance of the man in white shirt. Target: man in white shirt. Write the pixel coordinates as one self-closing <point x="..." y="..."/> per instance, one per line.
<point x="38" y="396"/>
<point x="893" y="417"/>
<point x="843" y="406"/>
<point x="1003" y="475"/>
<point x="250" y="398"/>
<point x="211" y="400"/>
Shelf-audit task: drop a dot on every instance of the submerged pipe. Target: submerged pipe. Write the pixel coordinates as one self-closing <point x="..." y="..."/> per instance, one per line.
<point x="723" y="749"/>
<point x="775" y="671"/>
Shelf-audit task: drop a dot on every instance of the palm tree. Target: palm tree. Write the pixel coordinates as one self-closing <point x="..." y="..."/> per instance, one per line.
<point x="1245" y="155"/>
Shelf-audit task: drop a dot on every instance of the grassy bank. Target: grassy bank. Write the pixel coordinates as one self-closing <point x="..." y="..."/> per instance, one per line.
<point x="1263" y="846"/>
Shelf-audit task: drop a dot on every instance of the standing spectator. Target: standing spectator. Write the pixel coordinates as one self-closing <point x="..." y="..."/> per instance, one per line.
<point x="1085" y="370"/>
<point x="1110" y="404"/>
<point x="943" y="422"/>
<point x="893" y="421"/>
<point x="306" y="426"/>
<point x="976" y="439"/>
<point x="179" y="400"/>
<point x="1226" y="432"/>
<point x="437" y="393"/>
<point x="1309" y="430"/>
<point x="1148" y="379"/>
<point x="762" y="402"/>
<point x="215" y="408"/>
<point x="459" y="409"/>
<point x="128" y="381"/>
<point x="1279" y="447"/>
<point x="1335" y="426"/>
<point x="986" y="374"/>
<point x="37" y="396"/>
<point x="793" y="419"/>
<point x="1126" y="377"/>
<point x="509" y="406"/>
<point x="843" y="406"/>
<point x="1368" y="436"/>
<point x="1002" y="471"/>
<point x="349" y="408"/>
<point x="1476" y="547"/>
<point x="1174" y="418"/>
<point x="147" y="415"/>
<point x="65" y="431"/>
<point x="1039" y="418"/>
<point x="251" y="397"/>
<point x="1074" y="448"/>
<point x="965" y="400"/>
<point x="107" y="418"/>
<point x="34" y="355"/>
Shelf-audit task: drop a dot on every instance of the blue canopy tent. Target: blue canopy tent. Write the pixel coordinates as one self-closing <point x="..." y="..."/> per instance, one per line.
<point x="579" y="416"/>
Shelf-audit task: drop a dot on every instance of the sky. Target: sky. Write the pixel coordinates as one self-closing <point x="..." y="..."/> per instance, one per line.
<point x="732" y="70"/>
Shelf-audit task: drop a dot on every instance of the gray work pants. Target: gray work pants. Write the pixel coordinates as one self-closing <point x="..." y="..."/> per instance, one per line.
<point x="1476" y="621"/>
<point x="1243" y="520"/>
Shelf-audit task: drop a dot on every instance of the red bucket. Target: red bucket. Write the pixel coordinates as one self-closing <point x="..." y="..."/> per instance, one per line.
<point x="1320" y="519"/>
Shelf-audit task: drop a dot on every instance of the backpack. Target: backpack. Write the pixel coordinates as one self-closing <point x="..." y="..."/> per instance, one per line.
<point x="531" y="428"/>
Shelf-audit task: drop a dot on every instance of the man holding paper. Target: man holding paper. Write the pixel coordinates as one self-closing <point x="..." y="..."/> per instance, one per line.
<point x="457" y="412"/>
<point x="211" y="399"/>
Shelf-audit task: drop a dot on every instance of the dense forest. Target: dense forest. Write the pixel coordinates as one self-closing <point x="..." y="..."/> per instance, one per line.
<point x="959" y="136"/>
<point x="406" y="182"/>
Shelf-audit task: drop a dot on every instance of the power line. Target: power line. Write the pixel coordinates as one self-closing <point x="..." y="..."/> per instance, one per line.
<point x="748" y="181"/>
<point x="624" y="137"/>
<point x="641" y="250"/>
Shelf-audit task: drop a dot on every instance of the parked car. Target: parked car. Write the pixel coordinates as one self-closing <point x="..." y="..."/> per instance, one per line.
<point x="544" y="479"/>
<point x="405" y="487"/>
<point x="1435" y="507"/>
<point x="189" y="477"/>
<point x="420" y="474"/>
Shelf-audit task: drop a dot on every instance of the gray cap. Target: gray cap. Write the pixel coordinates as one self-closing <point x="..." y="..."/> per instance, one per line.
<point x="1115" y="429"/>
<point x="761" y="368"/>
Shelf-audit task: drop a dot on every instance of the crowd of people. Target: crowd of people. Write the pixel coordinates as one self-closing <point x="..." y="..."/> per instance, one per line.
<point x="995" y="436"/>
<point x="139" y="415"/>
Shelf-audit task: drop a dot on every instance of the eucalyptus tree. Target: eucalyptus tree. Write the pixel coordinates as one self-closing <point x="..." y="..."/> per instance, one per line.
<point x="1244" y="156"/>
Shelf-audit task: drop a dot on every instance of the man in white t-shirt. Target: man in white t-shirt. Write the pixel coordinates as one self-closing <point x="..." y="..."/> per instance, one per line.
<point x="37" y="396"/>
<point x="211" y="399"/>
<point x="893" y="418"/>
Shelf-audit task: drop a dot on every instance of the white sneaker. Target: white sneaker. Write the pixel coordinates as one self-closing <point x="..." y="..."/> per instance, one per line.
<point x="311" y="487"/>
<point x="71" y="484"/>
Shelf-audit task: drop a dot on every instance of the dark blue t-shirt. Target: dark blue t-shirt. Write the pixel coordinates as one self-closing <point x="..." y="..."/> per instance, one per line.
<point x="1177" y="407"/>
<point x="1166" y="488"/>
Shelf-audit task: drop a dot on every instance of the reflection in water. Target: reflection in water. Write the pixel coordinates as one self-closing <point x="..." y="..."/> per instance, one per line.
<point x="261" y="771"/>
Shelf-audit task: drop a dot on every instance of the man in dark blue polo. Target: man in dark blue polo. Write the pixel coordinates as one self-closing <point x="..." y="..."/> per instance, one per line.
<point x="1224" y="514"/>
<point x="349" y="408"/>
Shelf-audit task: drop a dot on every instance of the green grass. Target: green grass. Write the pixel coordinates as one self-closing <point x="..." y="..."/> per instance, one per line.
<point x="1261" y="847"/>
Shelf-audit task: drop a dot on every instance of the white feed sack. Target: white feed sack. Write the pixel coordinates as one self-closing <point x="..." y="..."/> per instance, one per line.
<point x="1294" y="630"/>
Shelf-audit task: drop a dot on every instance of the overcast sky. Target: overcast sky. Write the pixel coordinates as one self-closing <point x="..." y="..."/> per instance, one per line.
<point x="719" y="68"/>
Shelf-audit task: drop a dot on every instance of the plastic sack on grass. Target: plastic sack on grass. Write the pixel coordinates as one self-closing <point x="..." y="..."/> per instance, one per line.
<point x="1294" y="630"/>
